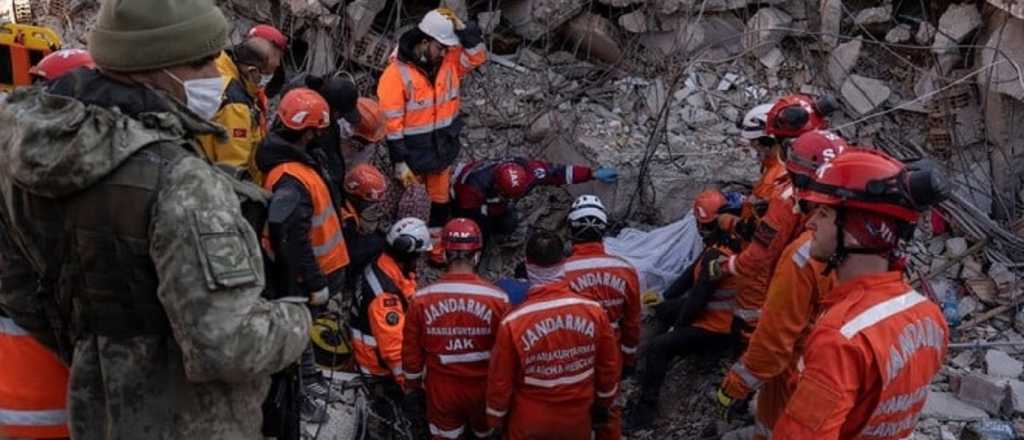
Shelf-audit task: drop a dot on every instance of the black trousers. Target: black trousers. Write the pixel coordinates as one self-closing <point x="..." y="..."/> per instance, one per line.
<point x="664" y="348"/>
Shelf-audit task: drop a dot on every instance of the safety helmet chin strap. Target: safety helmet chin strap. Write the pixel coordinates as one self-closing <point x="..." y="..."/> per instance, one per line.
<point x="842" y="250"/>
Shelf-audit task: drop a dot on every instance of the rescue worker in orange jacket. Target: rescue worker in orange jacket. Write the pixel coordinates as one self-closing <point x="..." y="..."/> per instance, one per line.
<point x="364" y="188"/>
<point x="697" y="316"/>
<point x="791" y="306"/>
<point x="554" y="368"/>
<point x="419" y="94"/>
<point x="303" y="236"/>
<point x="245" y="71"/>
<point x="449" y="332"/>
<point x="873" y="353"/>
<point x="379" y="309"/>
<point x="33" y="381"/>
<point x="607" y="279"/>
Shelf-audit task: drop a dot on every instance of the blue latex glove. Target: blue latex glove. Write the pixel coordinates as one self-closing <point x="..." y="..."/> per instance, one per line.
<point x="733" y="200"/>
<point x="607" y="175"/>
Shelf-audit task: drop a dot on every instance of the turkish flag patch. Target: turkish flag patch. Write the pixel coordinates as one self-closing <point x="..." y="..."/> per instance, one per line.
<point x="239" y="133"/>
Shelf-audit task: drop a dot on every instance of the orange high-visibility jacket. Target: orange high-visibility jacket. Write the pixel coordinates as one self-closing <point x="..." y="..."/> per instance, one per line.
<point x="772" y="180"/>
<point x="33" y="387"/>
<point x="415" y="107"/>
<point x="613" y="283"/>
<point x="450" y="328"/>
<point x="868" y="364"/>
<point x="717" y="315"/>
<point x="377" y="326"/>
<point x="556" y="349"/>
<point x="779" y="226"/>
<point x="790" y="309"/>
<point x="325" y="229"/>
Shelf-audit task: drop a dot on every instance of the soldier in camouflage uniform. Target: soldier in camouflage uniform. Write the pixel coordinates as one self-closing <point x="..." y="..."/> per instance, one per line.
<point x="125" y="251"/>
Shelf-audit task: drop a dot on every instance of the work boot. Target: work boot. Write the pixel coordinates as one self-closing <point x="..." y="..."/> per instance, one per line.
<point x="312" y="410"/>
<point x="642" y="416"/>
<point x="321" y="389"/>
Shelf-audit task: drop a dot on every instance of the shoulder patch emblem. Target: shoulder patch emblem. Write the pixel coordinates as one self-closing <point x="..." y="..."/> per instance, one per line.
<point x="540" y="173"/>
<point x="392" y="318"/>
<point x="239" y="133"/>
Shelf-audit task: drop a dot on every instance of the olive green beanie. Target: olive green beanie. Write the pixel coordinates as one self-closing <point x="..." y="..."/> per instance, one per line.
<point x="140" y="35"/>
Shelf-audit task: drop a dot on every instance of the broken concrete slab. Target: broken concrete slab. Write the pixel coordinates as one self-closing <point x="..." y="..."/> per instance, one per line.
<point x="925" y="34"/>
<point x="842" y="60"/>
<point x="946" y="407"/>
<point x="596" y="37"/>
<point x="489" y="20"/>
<point x="864" y="94"/>
<point x="956" y="246"/>
<point x="1008" y="35"/>
<point x="772" y="59"/>
<point x="874" y="16"/>
<point x="655" y="97"/>
<point x="764" y="30"/>
<point x="954" y="26"/>
<point x="662" y="44"/>
<point x="899" y="34"/>
<point x="1015" y="8"/>
<point x="547" y="125"/>
<point x="1016" y="395"/>
<point x="984" y="392"/>
<point x="634" y="22"/>
<point x="1000" y="364"/>
<point x="533" y="19"/>
<point x="967" y="306"/>
<point x="831" y="19"/>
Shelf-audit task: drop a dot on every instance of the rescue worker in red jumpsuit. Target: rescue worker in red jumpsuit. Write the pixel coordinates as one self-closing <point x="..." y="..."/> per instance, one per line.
<point x="607" y="279"/>
<point x="697" y="315"/>
<point x="873" y="353"/>
<point x="378" y="313"/>
<point x="449" y="332"/>
<point x="791" y="306"/>
<point x="486" y="190"/>
<point x="554" y="368"/>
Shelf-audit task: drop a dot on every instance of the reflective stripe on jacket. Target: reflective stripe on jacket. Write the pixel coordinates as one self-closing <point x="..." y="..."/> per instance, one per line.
<point x="450" y="328"/>
<point x="380" y="317"/>
<point x="868" y="364"/>
<point x="325" y="229"/>
<point x="613" y="283"/>
<point x="718" y="313"/>
<point x="33" y="387"/>
<point x="791" y="307"/>
<point x="557" y="349"/>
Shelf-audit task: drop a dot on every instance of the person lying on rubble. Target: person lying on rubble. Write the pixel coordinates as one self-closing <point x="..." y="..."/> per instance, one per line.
<point x="419" y="93"/>
<point x="697" y="316"/>
<point x="792" y="304"/>
<point x="109" y="210"/>
<point x="303" y="236"/>
<point x="486" y="190"/>
<point x="872" y="355"/>
<point x="611" y="281"/>
<point x="242" y="108"/>
<point x="448" y="336"/>
<point x="554" y="369"/>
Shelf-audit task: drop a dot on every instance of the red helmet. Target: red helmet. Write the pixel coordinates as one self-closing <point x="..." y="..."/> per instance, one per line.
<point x="461" y="235"/>
<point x="810" y="151"/>
<point x="707" y="204"/>
<point x="794" y="115"/>
<point x="366" y="182"/>
<point x="864" y="180"/>
<point x="512" y="180"/>
<point x="303" y="108"/>
<point x="270" y="34"/>
<point x="60" y="62"/>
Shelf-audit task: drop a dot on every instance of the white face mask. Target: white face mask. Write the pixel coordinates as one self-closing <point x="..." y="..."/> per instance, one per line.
<point x="202" y="95"/>
<point x="265" y="80"/>
<point x="345" y="130"/>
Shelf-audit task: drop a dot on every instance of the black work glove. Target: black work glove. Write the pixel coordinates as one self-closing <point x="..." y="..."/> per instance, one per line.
<point x="471" y="36"/>
<point x="745" y="229"/>
<point x="628" y="370"/>
<point x="599" y="416"/>
<point x="414" y="405"/>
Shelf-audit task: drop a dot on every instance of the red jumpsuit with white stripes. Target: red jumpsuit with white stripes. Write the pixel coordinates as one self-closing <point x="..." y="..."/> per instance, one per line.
<point x="613" y="283"/>
<point x="449" y="331"/>
<point x="554" y="356"/>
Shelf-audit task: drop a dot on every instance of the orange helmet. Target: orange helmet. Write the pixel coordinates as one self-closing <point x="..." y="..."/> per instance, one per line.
<point x="707" y="204"/>
<point x="371" y="121"/>
<point x="60" y="62"/>
<point x="270" y="34"/>
<point x="366" y="182"/>
<point x="303" y="108"/>
<point x="810" y="151"/>
<point x="794" y="115"/>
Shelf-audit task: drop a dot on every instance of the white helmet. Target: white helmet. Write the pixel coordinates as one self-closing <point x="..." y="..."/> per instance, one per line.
<point x="587" y="218"/>
<point x="754" y="122"/>
<point x="439" y="28"/>
<point x="410" y="235"/>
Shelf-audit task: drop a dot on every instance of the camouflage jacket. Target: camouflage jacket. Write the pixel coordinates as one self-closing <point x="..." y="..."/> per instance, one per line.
<point x="206" y="377"/>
